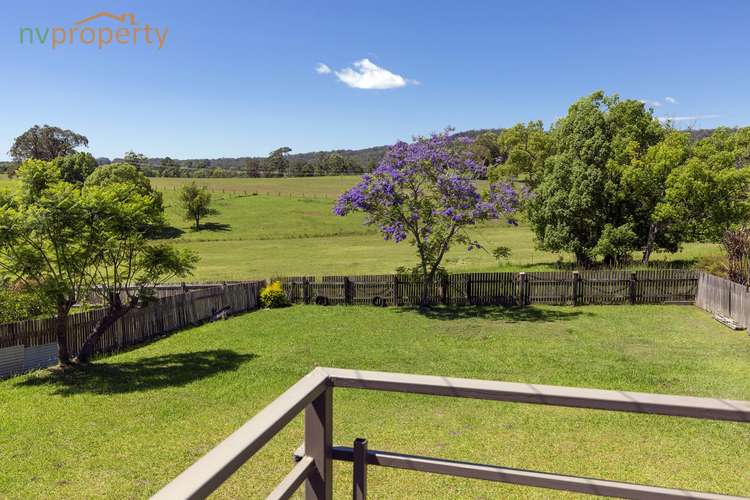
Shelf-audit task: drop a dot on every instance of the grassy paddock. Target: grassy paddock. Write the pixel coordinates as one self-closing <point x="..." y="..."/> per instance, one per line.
<point x="135" y="420"/>
<point x="287" y="228"/>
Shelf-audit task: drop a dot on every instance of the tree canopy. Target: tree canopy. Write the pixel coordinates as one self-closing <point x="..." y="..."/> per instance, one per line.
<point x="609" y="178"/>
<point x="196" y="203"/>
<point x="60" y="237"/>
<point x="46" y="143"/>
<point x="48" y="240"/>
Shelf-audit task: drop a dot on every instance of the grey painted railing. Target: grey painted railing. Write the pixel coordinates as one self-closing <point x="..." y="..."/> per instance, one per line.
<point x="313" y="393"/>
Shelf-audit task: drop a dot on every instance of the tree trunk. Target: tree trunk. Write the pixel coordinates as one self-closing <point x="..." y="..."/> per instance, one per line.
<point x="653" y="230"/>
<point x="583" y="260"/>
<point x="101" y="326"/>
<point x="424" y="299"/>
<point x="197" y="223"/>
<point x="61" y="332"/>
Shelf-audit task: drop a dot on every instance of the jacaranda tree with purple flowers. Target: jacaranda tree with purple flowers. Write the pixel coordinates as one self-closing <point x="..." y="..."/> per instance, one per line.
<point x="425" y="191"/>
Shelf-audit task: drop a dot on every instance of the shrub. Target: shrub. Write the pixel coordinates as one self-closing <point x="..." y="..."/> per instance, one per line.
<point x="19" y="305"/>
<point x="714" y="264"/>
<point x="273" y="296"/>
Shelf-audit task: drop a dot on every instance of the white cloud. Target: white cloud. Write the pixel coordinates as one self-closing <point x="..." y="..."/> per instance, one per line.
<point x="654" y="104"/>
<point x="368" y="75"/>
<point x="670" y="100"/>
<point x="687" y="118"/>
<point x="322" y="69"/>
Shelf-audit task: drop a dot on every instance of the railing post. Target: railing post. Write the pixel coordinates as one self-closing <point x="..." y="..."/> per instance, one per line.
<point x="318" y="445"/>
<point x="632" y="288"/>
<point x="522" y="288"/>
<point x="576" y="285"/>
<point x="395" y="290"/>
<point x="347" y="291"/>
<point x="359" y="491"/>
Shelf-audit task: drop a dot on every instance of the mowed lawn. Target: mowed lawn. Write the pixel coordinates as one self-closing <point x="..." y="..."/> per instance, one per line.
<point x="135" y="420"/>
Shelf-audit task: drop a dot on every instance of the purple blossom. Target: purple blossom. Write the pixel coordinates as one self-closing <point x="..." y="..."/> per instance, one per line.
<point x="427" y="190"/>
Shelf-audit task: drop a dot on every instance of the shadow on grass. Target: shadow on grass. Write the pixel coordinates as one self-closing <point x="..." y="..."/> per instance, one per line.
<point x="170" y="370"/>
<point x="167" y="233"/>
<point x="497" y="313"/>
<point x="630" y="266"/>
<point x="215" y="226"/>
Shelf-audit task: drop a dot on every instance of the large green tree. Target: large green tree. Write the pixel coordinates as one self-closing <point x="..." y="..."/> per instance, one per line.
<point x="128" y="265"/>
<point x="521" y="152"/>
<point x="277" y="162"/>
<point x="710" y="192"/>
<point x="125" y="173"/>
<point x="48" y="240"/>
<point x="45" y="143"/>
<point x="578" y="194"/>
<point x="643" y="185"/>
<point x="138" y="160"/>
<point x="62" y="239"/>
<point x="76" y="167"/>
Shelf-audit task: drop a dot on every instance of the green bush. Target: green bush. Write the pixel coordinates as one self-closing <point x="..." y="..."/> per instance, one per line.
<point x="18" y="305"/>
<point x="273" y="296"/>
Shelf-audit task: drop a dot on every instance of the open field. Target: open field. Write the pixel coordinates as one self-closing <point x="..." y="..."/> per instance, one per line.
<point x="135" y="420"/>
<point x="287" y="228"/>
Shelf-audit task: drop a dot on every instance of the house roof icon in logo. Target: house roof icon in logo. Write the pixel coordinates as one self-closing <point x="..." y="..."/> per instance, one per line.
<point x="121" y="18"/>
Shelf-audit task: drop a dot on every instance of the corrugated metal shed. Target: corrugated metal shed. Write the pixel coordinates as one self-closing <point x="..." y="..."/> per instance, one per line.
<point x="40" y="356"/>
<point x="11" y="360"/>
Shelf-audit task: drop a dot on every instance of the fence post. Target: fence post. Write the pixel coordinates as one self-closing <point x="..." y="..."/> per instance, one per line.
<point x="360" y="469"/>
<point x="632" y="288"/>
<point x="347" y="291"/>
<point x="522" y="288"/>
<point x="576" y="286"/>
<point x="444" y="289"/>
<point x="395" y="290"/>
<point x="306" y="291"/>
<point x="318" y="445"/>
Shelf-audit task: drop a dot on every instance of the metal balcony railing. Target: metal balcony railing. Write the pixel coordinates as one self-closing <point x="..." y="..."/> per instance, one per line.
<point x="313" y="394"/>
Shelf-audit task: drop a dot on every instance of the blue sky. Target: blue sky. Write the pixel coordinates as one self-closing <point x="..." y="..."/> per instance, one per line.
<point x="239" y="79"/>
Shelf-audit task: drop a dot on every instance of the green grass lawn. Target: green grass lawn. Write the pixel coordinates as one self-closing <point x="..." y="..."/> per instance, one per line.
<point x="287" y="228"/>
<point x="137" y="419"/>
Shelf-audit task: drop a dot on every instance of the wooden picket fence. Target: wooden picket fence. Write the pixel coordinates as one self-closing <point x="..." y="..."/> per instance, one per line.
<point x="655" y="286"/>
<point x="723" y="297"/>
<point x="166" y="314"/>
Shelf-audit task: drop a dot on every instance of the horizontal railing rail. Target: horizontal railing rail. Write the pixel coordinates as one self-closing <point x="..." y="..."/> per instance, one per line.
<point x="313" y="393"/>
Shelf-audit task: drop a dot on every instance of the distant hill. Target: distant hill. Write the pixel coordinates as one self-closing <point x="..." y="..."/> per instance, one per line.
<point x="326" y="162"/>
<point x="363" y="156"/>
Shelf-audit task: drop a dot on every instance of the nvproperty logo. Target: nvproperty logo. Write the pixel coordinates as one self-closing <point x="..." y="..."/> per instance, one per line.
<point x="130" y="34"/>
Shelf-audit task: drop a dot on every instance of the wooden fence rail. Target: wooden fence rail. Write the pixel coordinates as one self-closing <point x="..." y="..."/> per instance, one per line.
<point x="166" y="314"/>
<point x="655" y="286"/>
